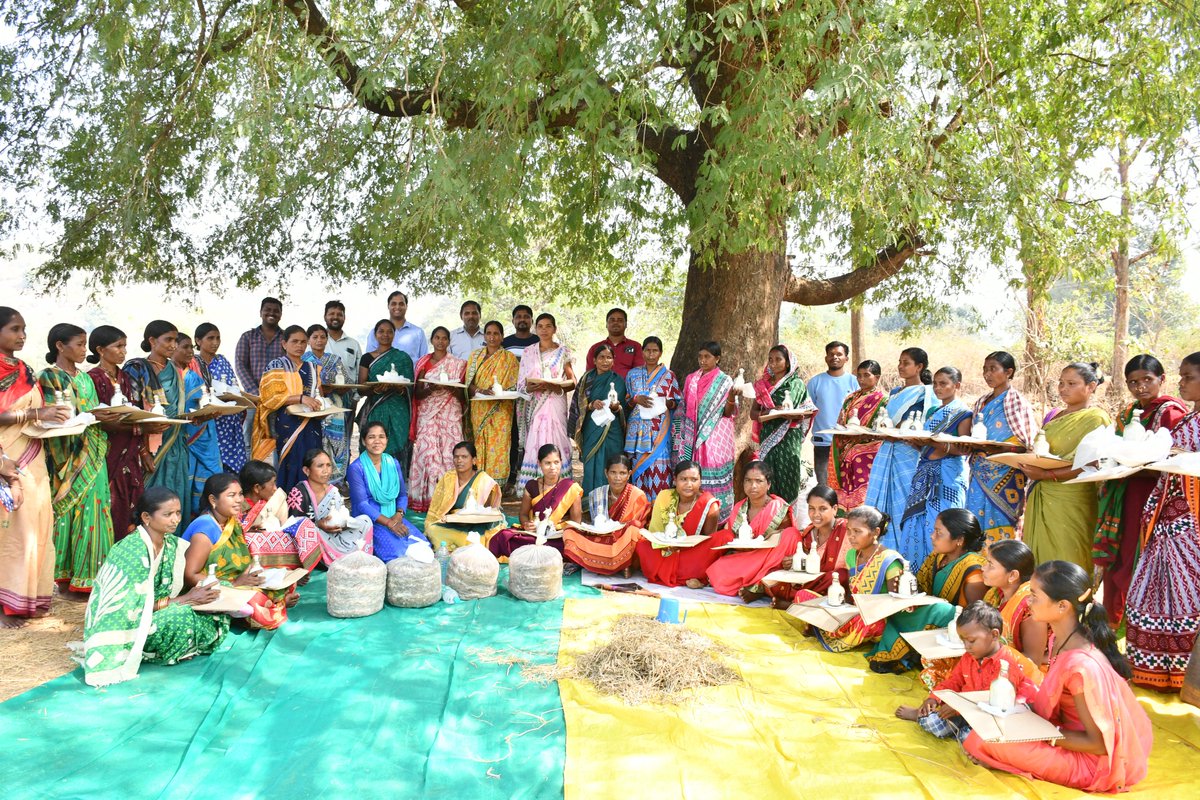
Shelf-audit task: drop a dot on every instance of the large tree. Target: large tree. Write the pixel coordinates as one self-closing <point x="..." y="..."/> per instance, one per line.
<point x="581" y="142"/>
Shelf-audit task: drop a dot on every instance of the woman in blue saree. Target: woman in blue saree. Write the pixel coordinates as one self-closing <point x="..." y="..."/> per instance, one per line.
<point x="597" y="390"/>
<point x="377" y="490"/>
<point x="648" y="441"/>
<point x="896" y="462"/>
<point x="940" y="481"/>
<point x="203" y="444"/>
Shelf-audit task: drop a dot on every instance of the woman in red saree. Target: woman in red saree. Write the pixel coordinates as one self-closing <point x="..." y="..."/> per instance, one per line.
<point x="125" y="472"/>
<point x="1106" y="734"/>
<point x="620" y="501"/>
<point x="850" y="457"/>
<point x="770" y="518"/>
<point x="829" y="534"/>
<point x="552" y="495"/>
<point x="696" y="513"/>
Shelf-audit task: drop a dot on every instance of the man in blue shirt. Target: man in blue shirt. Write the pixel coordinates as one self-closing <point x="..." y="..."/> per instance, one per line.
<point x="828" y="390"/>
<point x="409" y="337"/>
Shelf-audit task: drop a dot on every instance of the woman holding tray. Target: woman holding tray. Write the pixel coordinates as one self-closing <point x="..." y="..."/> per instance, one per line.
<point x="231" y="436"/>
<point x="705" y="426"/>
<point x="620" y="501"/>
<point x="828" y="533"/>
<point x="995" y="491"/>
<point x="953" y="572"/>
<point x="551" y="493"/>
<point x="896" y="463"/>
<point x="107" y="345"/>
<point x="316" y="499"/>
<point x="204" y="451"/>
<point x="546" y="411"/>
<point x="437" y="420"/>
<point x="335" y="429"/>
<point x="1106" y="733"/>
<point x="779" y="441"/>
<point x="598" y="442"/>
<point x="851" y="457"/>
<point x="388" y="405"/>
<point x="1060" y="518"/>
<point x="696" y="513"/>
<point x="769" y="516"/>
<point x="489" y="422"/>
<point x="452" y="493"/>
<point x="289" y="380"/>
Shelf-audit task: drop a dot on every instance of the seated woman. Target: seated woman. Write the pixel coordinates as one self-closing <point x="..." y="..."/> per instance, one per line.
<point x="953" y="572"/>
<point x="770" y="517"/>
<point x="138" y="610"/>
<point x="873" y="569"/>
<point x="264" y="518"/>
<point x="377" y="490"/>
<point x="695" y="512"/>
<point x="551" y="494"/>
<point x="315" y="499"/>
<point x="1107" y="735"/>
<point x="829" y="534"/>
<point x="620" y="501"/>
<point x="466" y="480"/>
<point x="1007" y="569"/>
<point x="215" y="538"/>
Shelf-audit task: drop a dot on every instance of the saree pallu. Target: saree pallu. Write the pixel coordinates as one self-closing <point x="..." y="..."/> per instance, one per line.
<point x="335" y="430"/>
<point x="948" y="582"/>
<point x="1014" y="612"/>
<point x="279" y="431"/>
<point x="231" y="436"/>
<point x="1115" y="711"/>
<point x="649" y="440"/>
<point x="436" y="428"/>
<point x="1060" y="518"/>
<point x="780" y="441"/>
<point x="738" y="569"/>
<point x="832" y="553"/>
<point x="995" y="492"/>
<point x="122" y="629"/>
<point x="204" y="450"/>
<point x="125" y="482"/>
<point x="231" y="554"/>
<point x="896" y="462"/>
<point x="597" y="443"/>
<point x="490" y="422"/>
<point x="447" y="497"/>
<point x="850" y="460"/>
<point x="27" y="533"/>
<point x="676" y="566"/>
<point x="937" y="484"/>
<point x="83" y="532"/>
<point x="278" y="544"/>
<point x="608" y="554"/>
<point x="393" y="409"/>
<point x="705" y="435"/>
<point x="869" y="578"/>
<point x="558" y="500"/>
<point x="1163" y="609"/>
<point x="172" y="462"/>
<point x="1120" y="507"/>
<point x="303" y="501"/>
<point x="545" y="412"/>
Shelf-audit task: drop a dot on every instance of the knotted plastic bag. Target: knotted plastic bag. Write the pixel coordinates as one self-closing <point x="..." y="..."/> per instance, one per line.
<point x="356" y="585"/>
<point x="535" y="573"/>
<point x="412" y="583"/>
<point x="473" y="570"/>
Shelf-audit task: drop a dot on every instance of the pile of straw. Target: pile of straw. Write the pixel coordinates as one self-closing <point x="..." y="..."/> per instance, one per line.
<point x="646" y="661"/>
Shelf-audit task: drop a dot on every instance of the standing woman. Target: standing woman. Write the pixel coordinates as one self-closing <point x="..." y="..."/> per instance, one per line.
<point x="940" y="481"/>
<point x="388" y="405"/>
<point x="696" y="513"/>
<point x="124" y="460"/>
<point x="552" y="495"/>
<point x="896" y="463"/>
<point x="546" y="410"/>
<point x="288" y="380"/>
<point x="437" y="420"/>
<point x="828" y="533"/>
<point x="230" y="430"/>
<point x="335" y="434"/>
<point x="851" y="457"/>
<point x="620" y="501"/>
<point x="597" y="443"/>
<point x="1060" y="518"/>
<point x="996" y="492"/>
<point x="490" y="422"/>
<point x="204" y="453"/>
<point x="770" y="518"/>
<point x="1163" y="608"/>
<point x="780" y="441"/>
<point x="704" y="431"/>
<point x="649" y="440"/>
<point x="1122" y="502"/>
<point x="83" y="532"/>
<point x="156" y="379"/>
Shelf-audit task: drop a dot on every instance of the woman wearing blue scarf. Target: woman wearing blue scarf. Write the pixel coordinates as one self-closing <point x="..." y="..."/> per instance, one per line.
<point x="377" y="490"/>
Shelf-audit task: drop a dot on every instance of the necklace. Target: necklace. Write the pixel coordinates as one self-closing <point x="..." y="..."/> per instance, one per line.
<point x="1058" y="650"/>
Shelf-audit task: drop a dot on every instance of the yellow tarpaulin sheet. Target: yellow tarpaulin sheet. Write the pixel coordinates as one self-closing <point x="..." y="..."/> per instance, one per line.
<point x="805" y="723"/>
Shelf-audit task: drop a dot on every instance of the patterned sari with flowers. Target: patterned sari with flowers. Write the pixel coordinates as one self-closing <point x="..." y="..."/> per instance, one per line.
<point x="436" y="428"/>
<point x="490" y="422"/>
<point x="546" y="412"/>
<point x="172" y="462"/>
<point x="609" y="553"/>
<point x="938" y="484"/>
<point x="277" y="430"/>
<point x="780" y="441"/>
<point x="358" y="531"/>
<point x="335" y="434"/>
<point x="705" y="435"/>
<point x="740" y="569"/>
<point x="675" y="566"/>
<point x="996" y="492"/>
<point x="275" y="541"/>
<point x="869" y="578"/>
<point x="649" y="440"/>
<point x="850" y="460"/>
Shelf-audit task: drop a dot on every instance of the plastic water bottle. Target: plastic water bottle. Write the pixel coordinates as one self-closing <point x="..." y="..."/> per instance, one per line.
<point x="443" y="559"/>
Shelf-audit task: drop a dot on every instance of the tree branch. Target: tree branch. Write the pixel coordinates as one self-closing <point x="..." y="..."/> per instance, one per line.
<point x="823" y="291"/>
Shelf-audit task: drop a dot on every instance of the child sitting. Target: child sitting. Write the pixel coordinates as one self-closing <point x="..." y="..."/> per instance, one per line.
<point x="979" y="627"/>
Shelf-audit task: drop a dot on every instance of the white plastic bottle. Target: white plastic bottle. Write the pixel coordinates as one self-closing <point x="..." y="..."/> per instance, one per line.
<point x="211" y="578"/>
<point x="443" y="558"/>
<point x="1001" y="694"/>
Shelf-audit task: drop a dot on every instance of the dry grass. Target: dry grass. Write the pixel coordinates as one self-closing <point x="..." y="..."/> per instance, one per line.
<point x="32" y="655"/>
<point x="646" y="661"/>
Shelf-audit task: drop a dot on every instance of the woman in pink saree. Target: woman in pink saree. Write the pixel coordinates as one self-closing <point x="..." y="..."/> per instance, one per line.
<point x="437" y="419"/>
<point x="704" y="429"/>
<point x="542" y="365"/>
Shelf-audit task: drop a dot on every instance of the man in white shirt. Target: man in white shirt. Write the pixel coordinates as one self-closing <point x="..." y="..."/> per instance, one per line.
<point x="468" y="336"/>
<point x="340" y="344"/>
<point x="409" y="337"/>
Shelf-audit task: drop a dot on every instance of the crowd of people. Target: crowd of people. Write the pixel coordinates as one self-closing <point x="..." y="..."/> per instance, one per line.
<point x="138" y="514"/>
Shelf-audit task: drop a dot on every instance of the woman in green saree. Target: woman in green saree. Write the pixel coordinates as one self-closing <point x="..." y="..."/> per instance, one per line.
<point x="953" y="572"/>
<point x="1060" y="518"/>
<point x="389" y="405"/>
<point x="780" y="441"/>
<point x="597" y="389"/>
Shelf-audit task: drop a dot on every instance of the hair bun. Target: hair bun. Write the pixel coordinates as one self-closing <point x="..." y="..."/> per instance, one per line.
<point x="92" y="358"/>
<point x="145" y="345"/>
<point x="51" y="358"/>
<point x="1099" y="370"/>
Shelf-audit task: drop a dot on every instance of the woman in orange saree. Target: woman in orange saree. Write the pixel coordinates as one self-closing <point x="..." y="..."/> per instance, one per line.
<point x="620" y="501"/>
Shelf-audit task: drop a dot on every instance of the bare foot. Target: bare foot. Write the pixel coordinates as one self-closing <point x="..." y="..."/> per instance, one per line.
<point x="12" y="622"/>
<point x="693" y="583"/>
<point x="291" y="599"/>
<point x="780" y="603"/>
<point x="749" y="595"/>
<point x="907" y="712"/>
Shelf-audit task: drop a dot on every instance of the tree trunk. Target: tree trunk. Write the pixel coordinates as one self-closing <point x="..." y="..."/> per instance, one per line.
<point x="858" y="333"/>
<point x="1034" y="380"/>
<point x="1120" y="259"/>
